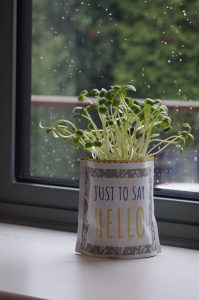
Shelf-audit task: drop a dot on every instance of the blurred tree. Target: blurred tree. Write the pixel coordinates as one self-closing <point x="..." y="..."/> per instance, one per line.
<point x="72" y="46"/>
<point x="158" y="48"/>
<point x="82" y="44"/>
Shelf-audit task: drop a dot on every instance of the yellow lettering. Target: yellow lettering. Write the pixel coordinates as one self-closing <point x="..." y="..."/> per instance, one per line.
<point x="130" y="235"/>
<point x="120" y="236"/>
<point x="98" y="222"/>
<point x="140" y="216"/>
<point x="109" y="222"/>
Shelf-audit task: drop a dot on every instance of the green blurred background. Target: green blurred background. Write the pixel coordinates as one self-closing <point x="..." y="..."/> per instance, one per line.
<point x="80" y="45"/>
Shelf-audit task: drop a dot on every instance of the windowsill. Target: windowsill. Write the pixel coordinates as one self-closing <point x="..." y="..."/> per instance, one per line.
<point x="179" y="186"/>
<point x="42" y="263"/>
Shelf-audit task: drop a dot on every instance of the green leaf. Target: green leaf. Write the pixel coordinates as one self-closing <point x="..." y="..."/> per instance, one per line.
<point x="137" y="103"/>
<point x="186" y="125"/>
<point x="129" y="88"/>
<point x="77" y="112"/>
<point x="149" y="101"/>
<point x="167" y="128"/>
<point x="62" y="130"/>
<point x="93" y="106"/>
<point x="137" y="109"/>
<point x="129" y="101"/>
<point x="102" y="92"/>
<point x="166" y="123"/>
<point x="183" y="133"/>
<point x="81" y="98"/>
<point x="102" y="109"/>
<point x="90" y="126"/>
<point x="94" y="92"/>
<point x="79" y="132"/>
<point x="138" y="135"/>
<point x="157" y="101"/>
<point x="110" y="123"/>
<point x="84" y="92"/>
<point x="102" y="101"/>
<point x="164" y="108"/>
<point x="97" y="144"/>
<point x="116" y="87"/>
<point x="109" y="95"/>
<point x="88" y="145"/>
<point x="116" y="101"/>
<point x="108" y="103"/>
<point x="77" y="109"/>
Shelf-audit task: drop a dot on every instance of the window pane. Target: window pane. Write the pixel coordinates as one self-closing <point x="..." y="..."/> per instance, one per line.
<point x="80" y="45"/>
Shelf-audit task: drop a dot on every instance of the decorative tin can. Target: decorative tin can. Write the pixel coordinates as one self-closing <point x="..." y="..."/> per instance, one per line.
<point x="116" y="209"/>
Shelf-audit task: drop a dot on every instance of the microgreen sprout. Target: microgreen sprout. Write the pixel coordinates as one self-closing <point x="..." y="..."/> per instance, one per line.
<point x="128" y="129"/>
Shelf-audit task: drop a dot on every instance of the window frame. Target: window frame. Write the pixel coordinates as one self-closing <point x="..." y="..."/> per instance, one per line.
<point x="37" y="204"/>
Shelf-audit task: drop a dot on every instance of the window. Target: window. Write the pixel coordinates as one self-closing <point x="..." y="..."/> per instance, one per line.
<point x="73" y="43"/>
<point x="27" y="194"/>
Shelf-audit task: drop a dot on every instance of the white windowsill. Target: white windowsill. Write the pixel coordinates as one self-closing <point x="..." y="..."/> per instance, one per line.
<point x="42" y="263"/>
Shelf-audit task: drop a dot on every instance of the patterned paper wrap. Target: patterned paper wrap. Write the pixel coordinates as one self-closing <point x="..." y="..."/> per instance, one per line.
<point x="116" y="209"/>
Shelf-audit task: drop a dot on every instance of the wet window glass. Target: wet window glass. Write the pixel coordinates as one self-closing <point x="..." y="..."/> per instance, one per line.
<point x="80" y="45"/>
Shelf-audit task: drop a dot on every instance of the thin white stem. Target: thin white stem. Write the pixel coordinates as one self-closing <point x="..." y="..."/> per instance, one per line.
<point x="166" y="141"/>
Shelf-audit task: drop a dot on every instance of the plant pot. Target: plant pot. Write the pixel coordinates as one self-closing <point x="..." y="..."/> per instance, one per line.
<point x="116" y="209"/>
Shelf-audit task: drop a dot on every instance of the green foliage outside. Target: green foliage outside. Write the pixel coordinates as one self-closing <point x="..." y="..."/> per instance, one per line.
<point x="79" y="45"/>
